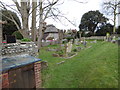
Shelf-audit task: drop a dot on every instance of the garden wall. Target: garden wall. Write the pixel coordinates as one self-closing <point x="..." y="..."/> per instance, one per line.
<point x="96" y="37"/>
<point x="13" y="49"/>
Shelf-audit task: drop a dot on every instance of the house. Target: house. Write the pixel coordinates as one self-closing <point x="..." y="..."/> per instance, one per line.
<point x="51" y="33"/>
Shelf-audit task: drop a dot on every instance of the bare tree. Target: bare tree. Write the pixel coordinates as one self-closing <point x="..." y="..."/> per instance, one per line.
<point x="111" y="8"/>
<point x="47" y="9"/>
<point x="34" y="5"/>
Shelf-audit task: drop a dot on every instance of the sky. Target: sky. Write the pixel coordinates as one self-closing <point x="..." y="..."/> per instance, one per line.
<point x="73" y="11"/>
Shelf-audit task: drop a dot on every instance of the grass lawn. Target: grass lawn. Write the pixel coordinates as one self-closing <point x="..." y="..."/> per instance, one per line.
<point x="95" y="67"/>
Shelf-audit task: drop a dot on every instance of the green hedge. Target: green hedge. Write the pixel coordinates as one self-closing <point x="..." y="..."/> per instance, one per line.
<point x="26" y="40"/>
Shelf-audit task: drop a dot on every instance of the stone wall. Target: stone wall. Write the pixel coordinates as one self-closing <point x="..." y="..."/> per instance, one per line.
<point x="19" y="48"/>
<point x="49" y="43"/>
<point x="96" y="37"/>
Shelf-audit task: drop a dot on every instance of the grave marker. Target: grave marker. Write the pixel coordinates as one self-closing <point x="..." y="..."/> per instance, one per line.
<point x="10" y="39"/>
<point x="69" y="48"/>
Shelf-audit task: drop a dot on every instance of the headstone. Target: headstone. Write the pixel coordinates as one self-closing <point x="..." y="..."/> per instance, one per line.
<point x="76" y="42"/>
<point x="113" y="39"/>
<point x="119" y="41"/>
<point x="107" y="37"/>
<point x="10" y="39"/>
<point x="69" y="47"/>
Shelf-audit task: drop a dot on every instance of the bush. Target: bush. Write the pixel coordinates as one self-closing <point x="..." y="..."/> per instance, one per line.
<point x="75" y="50"/>
<point x="18" y="35"/>
<point x="26" y="40"/>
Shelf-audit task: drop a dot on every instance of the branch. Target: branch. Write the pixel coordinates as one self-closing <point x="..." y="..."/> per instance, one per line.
<point x="6" y="16"/>
<point x="57" y="16"/>
<point x="17" y="5"/>
<point x="10" y="16"/>
<point x="51" y="4"/>
<point x="80" y="2"/>
<point x="3" y="4"/>
<point x="28" y="5"/>
<point x="34" y="9"/>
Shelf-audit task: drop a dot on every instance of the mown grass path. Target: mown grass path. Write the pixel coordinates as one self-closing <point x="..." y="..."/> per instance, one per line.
<point x="95" y="67"/>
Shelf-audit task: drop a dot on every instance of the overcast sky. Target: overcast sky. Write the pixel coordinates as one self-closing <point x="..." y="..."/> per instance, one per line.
<point x="73" y="11"/>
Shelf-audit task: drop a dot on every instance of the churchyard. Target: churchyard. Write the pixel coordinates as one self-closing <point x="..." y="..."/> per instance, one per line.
<point x="94" y="66"/>
<point x="36" y="53"/>
<point x="86" y="64"/>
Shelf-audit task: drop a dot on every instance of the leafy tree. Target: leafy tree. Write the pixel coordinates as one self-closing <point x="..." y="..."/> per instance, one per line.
<point x="91" y="20"/>
<point x="10" y="27"/>
<point x="104" y="29"/>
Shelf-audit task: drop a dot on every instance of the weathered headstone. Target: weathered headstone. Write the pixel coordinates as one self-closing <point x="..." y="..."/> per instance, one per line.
<point x="76" y="42"/>
<point x="113" y="39"/>
<point x="69" y="48"/>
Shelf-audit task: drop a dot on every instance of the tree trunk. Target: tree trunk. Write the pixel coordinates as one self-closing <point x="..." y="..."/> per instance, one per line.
<point x="114" y="28"/>
<point x="60" y="37"/>
<point x="34" y="5"/>
<point x="40" y="33"/>
<point x="25" y="20"/>
<point x="0" y="36"/>
<point x="80" y="36"/>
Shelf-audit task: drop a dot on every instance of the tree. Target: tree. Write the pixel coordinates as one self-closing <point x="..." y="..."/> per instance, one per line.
<point x="10" y="27"/>
<point x="103" y="29"/>
<point x="111" y="8"/>
<point x="1" y="22"/>
<point x="91" y="20"/>
<point x="46" y="9"/>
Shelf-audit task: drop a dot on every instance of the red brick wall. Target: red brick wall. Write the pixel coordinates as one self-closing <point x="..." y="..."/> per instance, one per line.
<point x="37" y="69"/>
<point x="5" y="81"/>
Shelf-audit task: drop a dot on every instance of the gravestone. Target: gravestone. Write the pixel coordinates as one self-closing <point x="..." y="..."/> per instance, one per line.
<point x="76" y="42"/>
<point x="69" y="47"/>
<point x="119" y="41"/>
<point x="10" y="39"/>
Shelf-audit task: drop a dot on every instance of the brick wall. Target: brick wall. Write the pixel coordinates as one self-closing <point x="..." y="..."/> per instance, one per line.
<point x="4" y="82"/>
<point x="37" y="69"/>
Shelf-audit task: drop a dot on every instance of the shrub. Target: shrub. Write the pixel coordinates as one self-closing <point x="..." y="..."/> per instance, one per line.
<point x="18" y="35"/>
<point x="75" y="50"/>
<point x="26" y="40"/>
